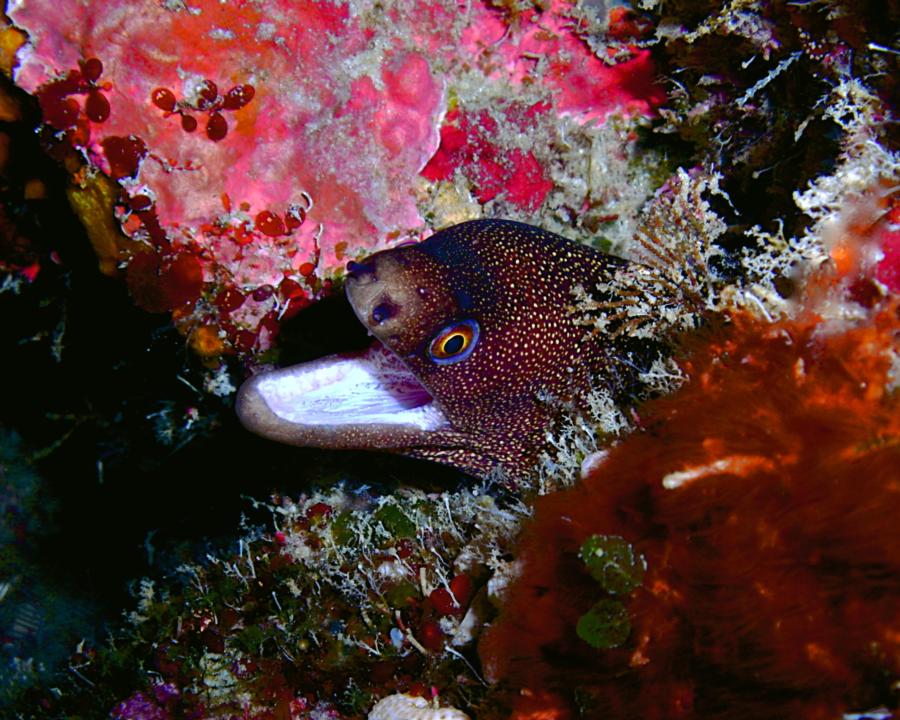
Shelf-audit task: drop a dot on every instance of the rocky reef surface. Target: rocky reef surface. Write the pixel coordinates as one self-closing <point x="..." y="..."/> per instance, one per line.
<point x="182" y="185"/>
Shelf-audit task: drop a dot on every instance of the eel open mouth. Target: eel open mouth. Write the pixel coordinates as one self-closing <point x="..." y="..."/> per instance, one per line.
<point x="348" y="401"/>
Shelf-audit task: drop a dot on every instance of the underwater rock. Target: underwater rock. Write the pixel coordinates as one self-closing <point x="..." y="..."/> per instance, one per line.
<point x="270" y="141"/>
<point x="260" y="153"/>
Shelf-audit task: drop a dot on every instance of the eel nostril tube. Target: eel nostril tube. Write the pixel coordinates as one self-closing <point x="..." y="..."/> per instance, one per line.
<point x="361" y="271"/>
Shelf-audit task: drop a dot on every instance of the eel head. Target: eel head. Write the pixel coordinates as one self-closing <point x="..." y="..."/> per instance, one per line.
<point x="473" y="330"/>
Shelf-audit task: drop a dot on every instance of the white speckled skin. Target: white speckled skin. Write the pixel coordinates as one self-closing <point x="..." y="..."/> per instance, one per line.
<point x="512" y="281"/>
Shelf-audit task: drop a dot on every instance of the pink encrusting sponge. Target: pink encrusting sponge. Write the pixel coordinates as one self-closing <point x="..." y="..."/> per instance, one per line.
<point x="259" y="145"/>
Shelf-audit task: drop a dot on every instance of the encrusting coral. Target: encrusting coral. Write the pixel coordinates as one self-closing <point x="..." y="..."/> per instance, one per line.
<point x="249" y="149"/>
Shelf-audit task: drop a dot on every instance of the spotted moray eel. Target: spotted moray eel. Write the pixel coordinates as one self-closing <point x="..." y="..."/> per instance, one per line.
<point x="475" y="332"/>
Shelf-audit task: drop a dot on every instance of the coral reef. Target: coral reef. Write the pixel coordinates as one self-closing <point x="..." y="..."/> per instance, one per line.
<point x="289" y="138"/>
<point x="758" y="495"/>
<point x="730" y="551"/>
<point x="355" y="597"/>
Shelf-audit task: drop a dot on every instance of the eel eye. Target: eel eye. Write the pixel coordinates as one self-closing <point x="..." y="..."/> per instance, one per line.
<point x="454" y="343"/>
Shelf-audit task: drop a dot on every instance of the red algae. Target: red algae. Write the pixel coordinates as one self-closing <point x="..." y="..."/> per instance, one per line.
<point x="216" y="127"/>
<point x="123" y="155"/>
<point x="188" y="123"/>
<point x="764" y="497"/>
<point x="162" y="284"/>
<point x="431" y="636"/>
<point x="92" y="69"/>
<point x="164" y="99"/>
<point x="229" y="300"/>
<point x="269" y="224"/>
<point x="96" y="106"/>
<point x="454" y="599"/>
<point x="238" y="96"/>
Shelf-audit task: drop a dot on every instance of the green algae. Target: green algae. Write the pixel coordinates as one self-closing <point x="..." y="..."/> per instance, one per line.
<point x="614" y="563"/>
<point x="605" y="625"/>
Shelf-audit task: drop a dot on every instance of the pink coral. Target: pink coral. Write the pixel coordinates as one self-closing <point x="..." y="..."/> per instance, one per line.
<point x="888" y="270"/>
<point x="257" y="144"/>
<point x="287" y="138"/>
<point x="582" y="83"/>
<point x="467" y="144"/>
<point x="257" y="140"/>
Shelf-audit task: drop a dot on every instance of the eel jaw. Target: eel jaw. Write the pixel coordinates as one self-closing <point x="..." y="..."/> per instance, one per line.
<point x="368" y="400"/>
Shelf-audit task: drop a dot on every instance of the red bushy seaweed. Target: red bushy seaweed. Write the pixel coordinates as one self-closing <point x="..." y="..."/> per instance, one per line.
<point x="764" y="496"/>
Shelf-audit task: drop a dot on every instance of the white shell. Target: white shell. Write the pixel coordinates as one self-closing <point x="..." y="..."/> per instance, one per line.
<point x="409" y="707"/>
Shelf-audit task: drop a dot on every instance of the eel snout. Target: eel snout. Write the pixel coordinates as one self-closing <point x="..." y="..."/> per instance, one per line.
<point x="360" y="400"/>
<point x="384" y="292"/>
